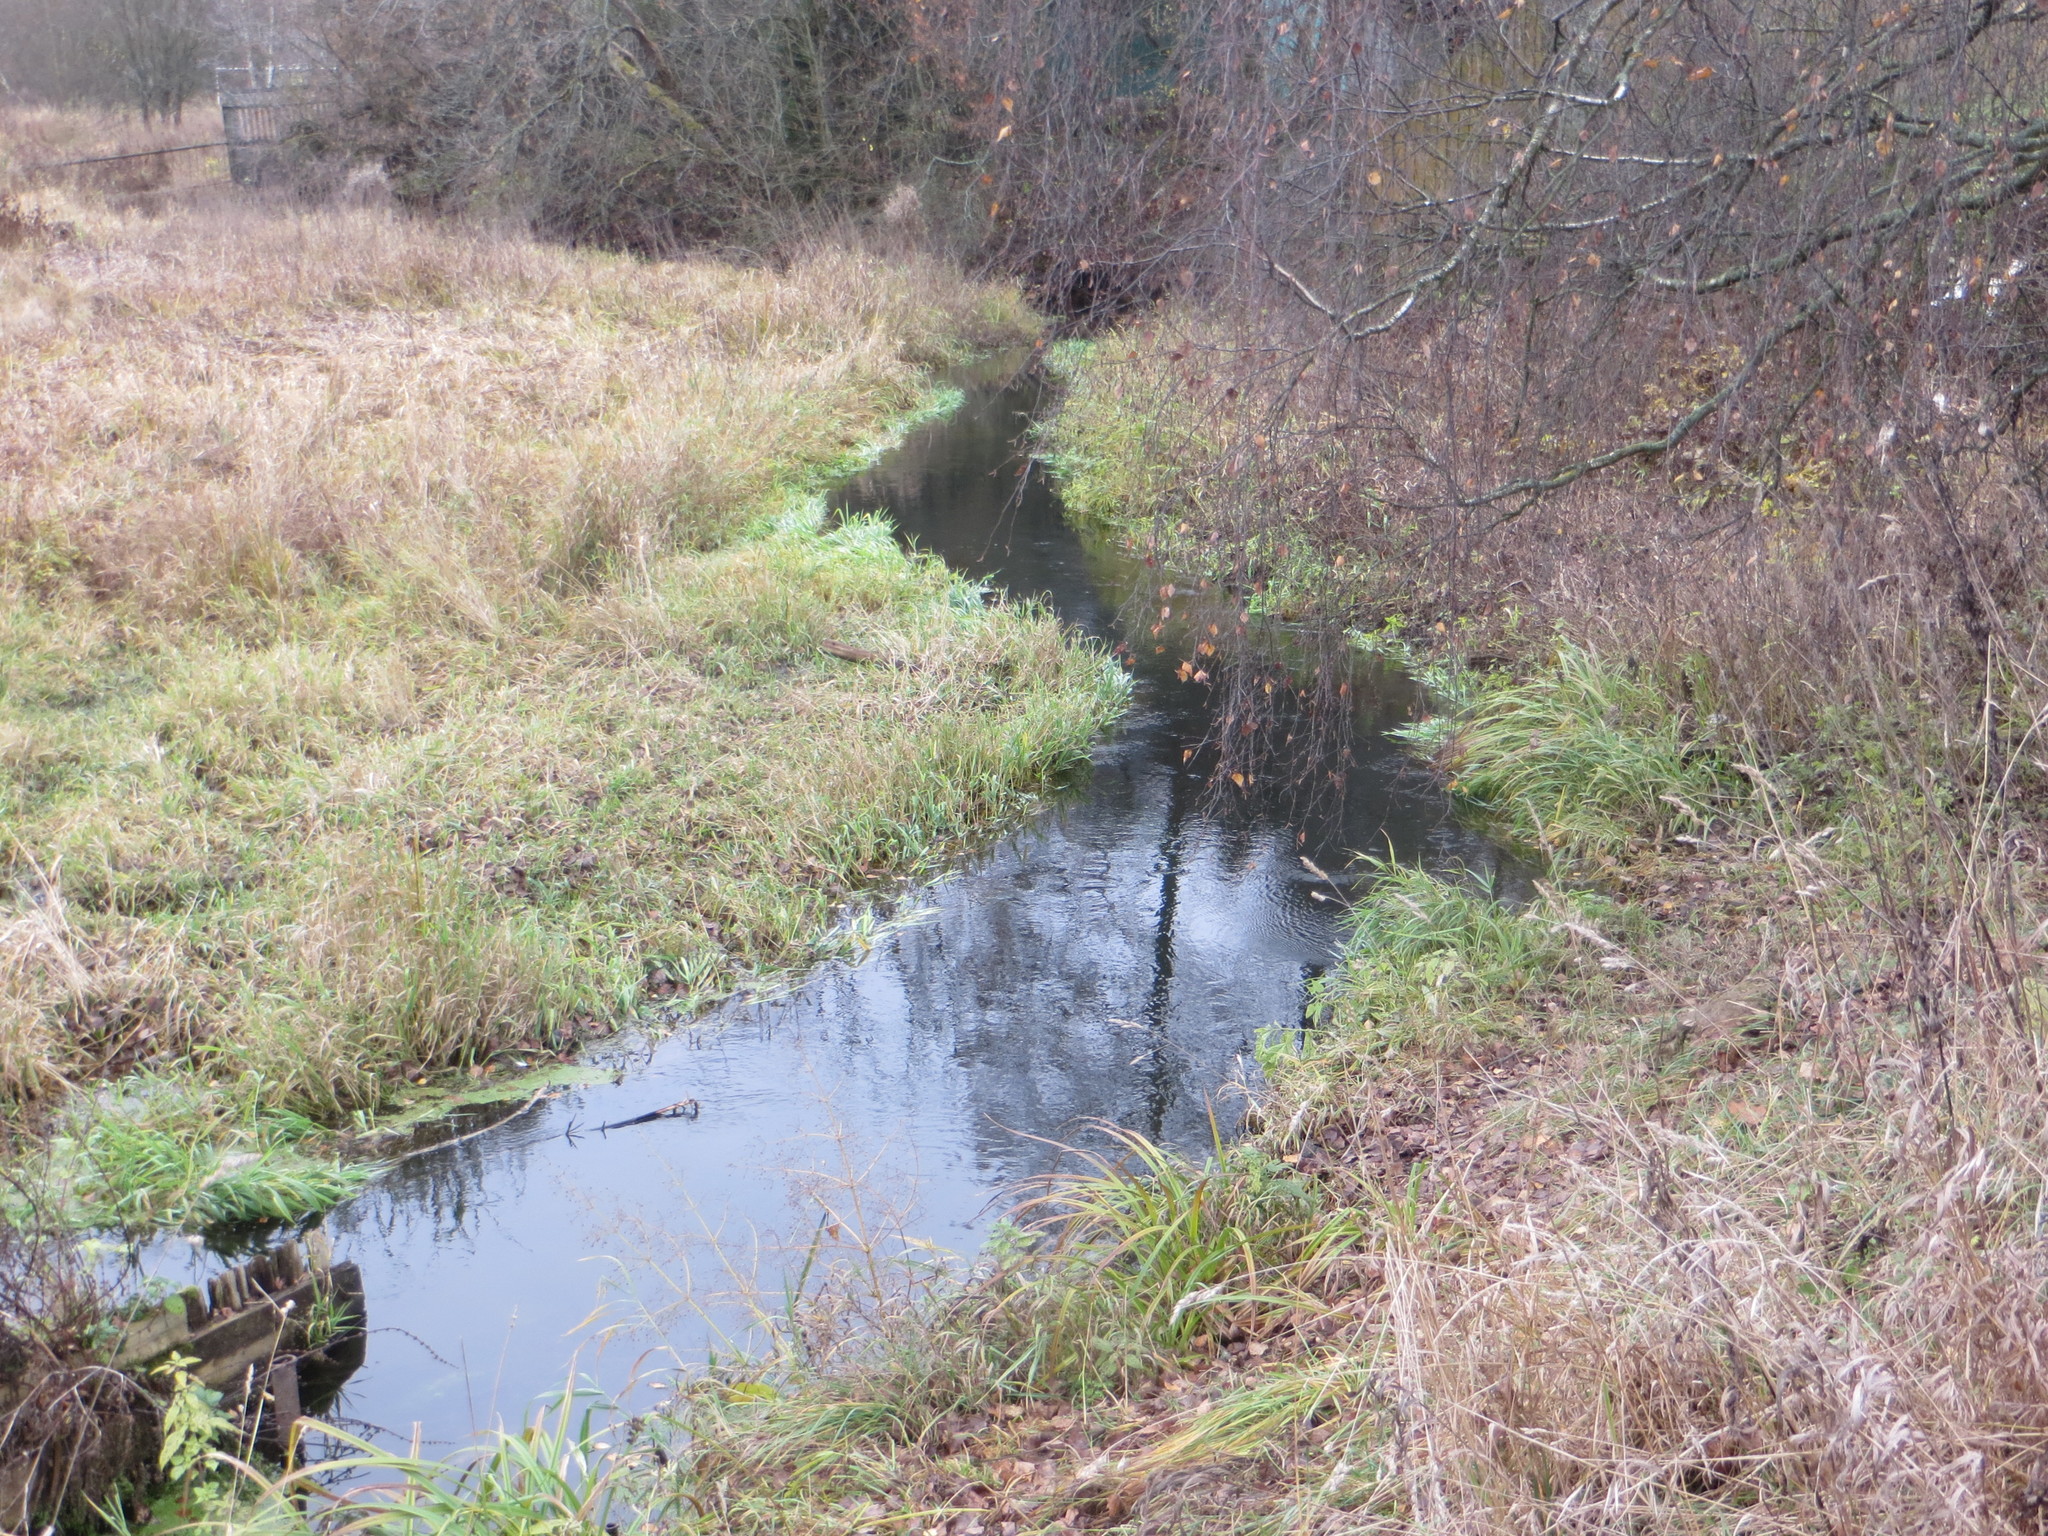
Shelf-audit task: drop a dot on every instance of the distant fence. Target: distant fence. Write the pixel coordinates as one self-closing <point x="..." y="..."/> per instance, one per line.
<point x="259" y="110"/>
<point x="131" y="154"/>
<point x="259" y="107"/>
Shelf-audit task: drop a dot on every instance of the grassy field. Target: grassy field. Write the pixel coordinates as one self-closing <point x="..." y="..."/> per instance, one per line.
<point x="42" y="145"/>
<point x="402" y="680"/>
<point x="410" y="647"/>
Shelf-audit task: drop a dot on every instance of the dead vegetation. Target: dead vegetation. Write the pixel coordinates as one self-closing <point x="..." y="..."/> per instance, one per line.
<point x="74" y="1433"/>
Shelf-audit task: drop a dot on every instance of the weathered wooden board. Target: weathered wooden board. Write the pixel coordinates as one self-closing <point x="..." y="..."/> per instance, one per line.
<point x="253" y="1317"/>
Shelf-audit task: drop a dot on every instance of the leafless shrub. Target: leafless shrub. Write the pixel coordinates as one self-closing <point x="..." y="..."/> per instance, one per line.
<point x="72" y="1432"/>
<point x="1721" y="321"/>
<point x="647" y="126"/>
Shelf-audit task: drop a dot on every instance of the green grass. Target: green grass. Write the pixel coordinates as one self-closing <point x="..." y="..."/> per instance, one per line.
<point x="1429" y="958"/>
<point x="557" y="1474"/>
<point x="1581" y="758"/>
<point x="263" y="866"/>
<point x="436" y="675"/>
<point x="302" y="890"/>
<point x="1152" y="446"/>
<point x="293" y="885"/>
<point x="1172" y="1245"/>
<point x="168" y="1153"/>
<point x="1117" y="444"/>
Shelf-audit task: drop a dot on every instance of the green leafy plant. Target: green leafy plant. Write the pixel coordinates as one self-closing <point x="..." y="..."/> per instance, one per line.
<point x="193" y="1423"/>
<point x="326" y="1319"/>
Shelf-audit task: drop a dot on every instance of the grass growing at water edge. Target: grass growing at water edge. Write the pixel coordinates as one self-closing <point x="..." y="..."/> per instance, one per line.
<point x="1430" y="957"/>
<point x="1578" y="758"/>
<point x="1476" y="1177"/>
<point x="564" y="1470"/>
<point x="411" y="657"/>
<point x="169" y="1153"/>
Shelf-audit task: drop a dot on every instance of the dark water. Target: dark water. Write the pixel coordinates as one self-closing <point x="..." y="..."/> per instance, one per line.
<point x="1112" y="961"/>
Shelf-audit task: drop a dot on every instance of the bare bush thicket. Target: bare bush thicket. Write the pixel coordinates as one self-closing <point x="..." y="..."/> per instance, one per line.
<point x="644" y="127"/>
<point x="1728" y="314"/>
<point x="74" y="1433"/>
<point x="156" y="53"/>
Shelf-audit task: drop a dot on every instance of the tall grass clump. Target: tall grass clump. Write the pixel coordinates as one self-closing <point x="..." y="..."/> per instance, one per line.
<point x="561" y="1472"/>
<point x="1144" y="1250"/>
<point x="391" y="959"/>
<point x="160" y="1152"/>
<point x="1432" y="957"/>
<point x="1137" y="1260"/>
<point x="1581" y="758"/>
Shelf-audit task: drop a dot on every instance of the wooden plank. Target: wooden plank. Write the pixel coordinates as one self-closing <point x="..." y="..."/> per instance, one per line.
<point x="156" y="1334"/>
<point x="247" y="1327"/>
<point x="283" y="1410"/>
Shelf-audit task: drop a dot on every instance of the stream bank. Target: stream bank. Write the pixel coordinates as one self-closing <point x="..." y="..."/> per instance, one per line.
<point x="1700" y="1191"/>
<point x="410" y="650"/>
<point x="1113" y="962"/>
<point x="412" y="658"/>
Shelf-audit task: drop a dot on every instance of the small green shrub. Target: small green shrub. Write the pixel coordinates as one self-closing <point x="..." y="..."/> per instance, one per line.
<point x="193" y="1420"/>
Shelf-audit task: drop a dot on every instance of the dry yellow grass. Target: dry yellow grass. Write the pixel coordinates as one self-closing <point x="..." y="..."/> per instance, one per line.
<point x="408" y="635"/>
<point x="44" y="143"/>
<point x="241" y="406"/>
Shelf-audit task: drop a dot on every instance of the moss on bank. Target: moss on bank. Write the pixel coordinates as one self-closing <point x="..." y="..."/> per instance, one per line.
<point x="413" y="648"/>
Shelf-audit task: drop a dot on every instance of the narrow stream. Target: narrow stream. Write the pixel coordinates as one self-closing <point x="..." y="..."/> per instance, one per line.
<point x="1111" y="961"/>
